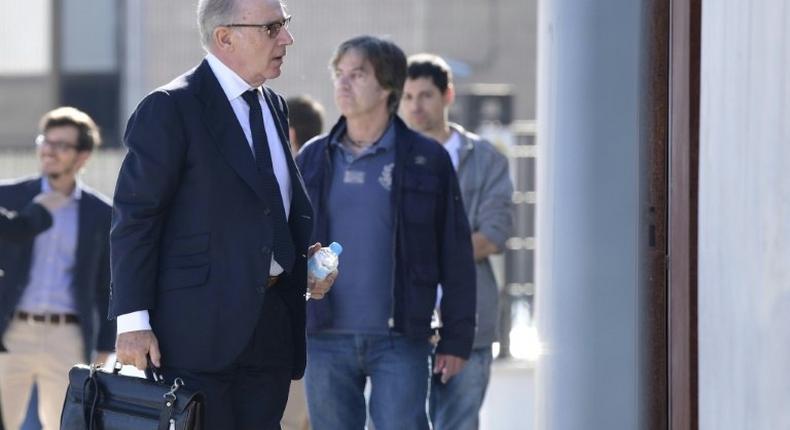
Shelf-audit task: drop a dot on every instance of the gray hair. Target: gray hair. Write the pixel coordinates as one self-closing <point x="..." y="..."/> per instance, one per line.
<point x="212" y="14"/>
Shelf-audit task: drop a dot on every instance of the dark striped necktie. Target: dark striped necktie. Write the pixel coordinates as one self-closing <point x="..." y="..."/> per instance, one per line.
<point x="284" y="252"/>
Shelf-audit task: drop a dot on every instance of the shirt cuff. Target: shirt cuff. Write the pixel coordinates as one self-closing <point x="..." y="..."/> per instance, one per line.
<point x="133" y="321"/>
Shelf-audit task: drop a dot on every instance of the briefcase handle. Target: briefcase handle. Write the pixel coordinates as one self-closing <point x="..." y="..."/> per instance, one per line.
<point x="151" y="372"/>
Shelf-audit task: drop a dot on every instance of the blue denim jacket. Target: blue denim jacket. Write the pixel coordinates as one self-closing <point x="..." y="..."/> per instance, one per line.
<point x="432" y="239"/>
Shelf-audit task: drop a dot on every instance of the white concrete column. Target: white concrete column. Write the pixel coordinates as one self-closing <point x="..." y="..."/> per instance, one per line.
<point x="744" y="216"/>
<point x="588" y="214"/>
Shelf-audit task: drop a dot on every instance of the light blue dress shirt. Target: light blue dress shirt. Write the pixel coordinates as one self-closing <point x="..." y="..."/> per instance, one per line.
<point x="54" y="257"/>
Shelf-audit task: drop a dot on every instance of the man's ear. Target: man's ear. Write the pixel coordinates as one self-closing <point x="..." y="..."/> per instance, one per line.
<point x="223" y="39"/>
<point x="82" y="159"/>
<point x="449" y="95"/>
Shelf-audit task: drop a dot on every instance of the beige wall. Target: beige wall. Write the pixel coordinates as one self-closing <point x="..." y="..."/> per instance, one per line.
<point x="495" y="38"/>
<point x="23" y="100"/>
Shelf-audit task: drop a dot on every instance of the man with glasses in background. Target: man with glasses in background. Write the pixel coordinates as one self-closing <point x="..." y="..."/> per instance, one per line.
<point x="54" y="286"/>
<point x="211" y="225"/>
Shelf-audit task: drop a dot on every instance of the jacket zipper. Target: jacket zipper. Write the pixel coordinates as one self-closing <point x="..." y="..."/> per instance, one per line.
<point x="398" y="169"/>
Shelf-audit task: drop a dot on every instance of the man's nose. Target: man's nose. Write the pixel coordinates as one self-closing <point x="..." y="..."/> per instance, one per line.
<point x="46" y="149"/>
<point x="286" y="38"/>
<point x="342" y="82"/>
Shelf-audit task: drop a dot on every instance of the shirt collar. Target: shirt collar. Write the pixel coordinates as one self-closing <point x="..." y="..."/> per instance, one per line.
<point x="453" y="143"/>
<point x="385" y="142"/>
<point x="232" y="84"/>
<point x="75" y="195"/>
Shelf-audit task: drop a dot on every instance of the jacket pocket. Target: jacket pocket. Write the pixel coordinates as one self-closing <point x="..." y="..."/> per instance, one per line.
<point x="186" y="262"/>
<point x="188" y="245"/>
<point x="183" y="277"/>
<point x="419" y="198"/>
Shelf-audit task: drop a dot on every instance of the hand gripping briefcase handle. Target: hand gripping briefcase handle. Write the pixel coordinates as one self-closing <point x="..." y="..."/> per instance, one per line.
<point x="99" y="400"/>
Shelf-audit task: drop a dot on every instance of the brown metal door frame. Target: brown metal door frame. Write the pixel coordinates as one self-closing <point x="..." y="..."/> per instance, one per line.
<point x="684" y="75"/>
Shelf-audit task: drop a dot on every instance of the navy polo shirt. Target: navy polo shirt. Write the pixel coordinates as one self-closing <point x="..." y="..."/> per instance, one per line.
<point x="361" y="219"/>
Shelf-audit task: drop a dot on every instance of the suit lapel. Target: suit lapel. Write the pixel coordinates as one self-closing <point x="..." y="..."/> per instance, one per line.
<point x="85" y="224"/>
<point x="300" y="205"/>
<point x="32" y="189"/>
<point x="225" y="128"/>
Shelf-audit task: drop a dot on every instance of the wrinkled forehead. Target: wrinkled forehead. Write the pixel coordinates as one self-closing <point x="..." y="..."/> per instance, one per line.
<point x="259" y="11"/>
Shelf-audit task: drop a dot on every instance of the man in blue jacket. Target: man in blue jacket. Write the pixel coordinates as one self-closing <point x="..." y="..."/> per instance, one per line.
<point x="487" y="192"/>
<point x="390" y="196"/>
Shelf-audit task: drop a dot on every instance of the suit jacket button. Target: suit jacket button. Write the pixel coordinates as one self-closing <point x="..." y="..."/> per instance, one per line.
<point x="261" y="289"/>
<point x="267" y="211"/>
<point x="264" y="250"/>
<point x="2" y="273"/>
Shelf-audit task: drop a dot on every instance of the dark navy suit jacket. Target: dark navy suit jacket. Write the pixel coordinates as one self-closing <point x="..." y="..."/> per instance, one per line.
<point x="192" y="237"/>
<point x="91" y="281"/>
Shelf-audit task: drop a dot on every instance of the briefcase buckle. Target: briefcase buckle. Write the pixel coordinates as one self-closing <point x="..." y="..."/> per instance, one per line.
<point x="171" y="395"/>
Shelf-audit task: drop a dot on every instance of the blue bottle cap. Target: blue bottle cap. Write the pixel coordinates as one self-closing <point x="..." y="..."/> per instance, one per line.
<point x="336" y="248"/>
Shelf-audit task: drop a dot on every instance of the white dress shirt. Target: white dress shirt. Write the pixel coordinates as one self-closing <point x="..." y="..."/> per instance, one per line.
<point x="453" y="146"/>
<point x="234" y="86"/>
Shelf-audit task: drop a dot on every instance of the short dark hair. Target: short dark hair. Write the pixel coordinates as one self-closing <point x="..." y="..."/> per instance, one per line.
<point x="433" y="67"/>
<point x="387" y="59"/>
<point x="306" y="117"/>
<point x="88" y="136"/>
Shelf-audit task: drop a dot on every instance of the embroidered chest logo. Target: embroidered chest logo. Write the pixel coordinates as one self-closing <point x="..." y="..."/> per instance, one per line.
<point x="354" y="177"/>
<point x="385" y="179"/>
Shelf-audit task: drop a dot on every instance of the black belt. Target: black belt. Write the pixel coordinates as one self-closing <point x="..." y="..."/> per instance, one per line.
<point x="48" y="318"/>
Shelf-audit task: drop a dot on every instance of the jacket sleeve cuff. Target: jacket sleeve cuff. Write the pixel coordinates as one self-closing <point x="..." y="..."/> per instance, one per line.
<point x="134" y="321"/>
<point x="454" y="347"/>
<point x="40" y="217"/>
<point x="105" y="341"/>
<point x="497" y="236"/>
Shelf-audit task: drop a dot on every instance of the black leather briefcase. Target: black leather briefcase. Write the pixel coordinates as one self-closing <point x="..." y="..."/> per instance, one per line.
<point x="99" y="400"/>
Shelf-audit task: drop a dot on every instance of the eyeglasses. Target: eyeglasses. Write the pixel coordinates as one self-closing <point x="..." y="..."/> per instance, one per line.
<point x="272" y="29"/>
<point x="57" y="145"/>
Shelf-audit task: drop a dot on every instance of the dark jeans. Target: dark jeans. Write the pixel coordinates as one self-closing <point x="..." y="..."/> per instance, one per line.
<point x="338" y="366"/>
<point x="252" y="392"/>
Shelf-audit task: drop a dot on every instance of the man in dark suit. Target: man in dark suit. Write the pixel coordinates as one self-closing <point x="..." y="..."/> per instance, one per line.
<point x="54" y="287"/>
<point x="211" y="225"/>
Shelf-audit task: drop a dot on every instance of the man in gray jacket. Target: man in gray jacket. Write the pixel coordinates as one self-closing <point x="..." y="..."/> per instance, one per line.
<point x="486" y="189"/>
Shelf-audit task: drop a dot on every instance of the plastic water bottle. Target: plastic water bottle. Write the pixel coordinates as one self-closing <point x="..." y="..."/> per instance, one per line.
<point x="324" y="261"/>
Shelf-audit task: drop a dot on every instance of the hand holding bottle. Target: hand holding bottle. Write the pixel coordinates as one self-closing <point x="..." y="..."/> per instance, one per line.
<point x="322" y="269"/>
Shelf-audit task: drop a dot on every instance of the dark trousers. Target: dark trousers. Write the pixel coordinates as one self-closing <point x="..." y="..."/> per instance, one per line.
<point x="252" y="392"/>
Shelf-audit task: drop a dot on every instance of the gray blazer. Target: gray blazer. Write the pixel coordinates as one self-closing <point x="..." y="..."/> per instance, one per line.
<point x="487" y="190"/>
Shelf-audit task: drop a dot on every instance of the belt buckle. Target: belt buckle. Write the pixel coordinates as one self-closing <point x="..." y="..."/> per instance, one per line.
<point x="272" y="280"/>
